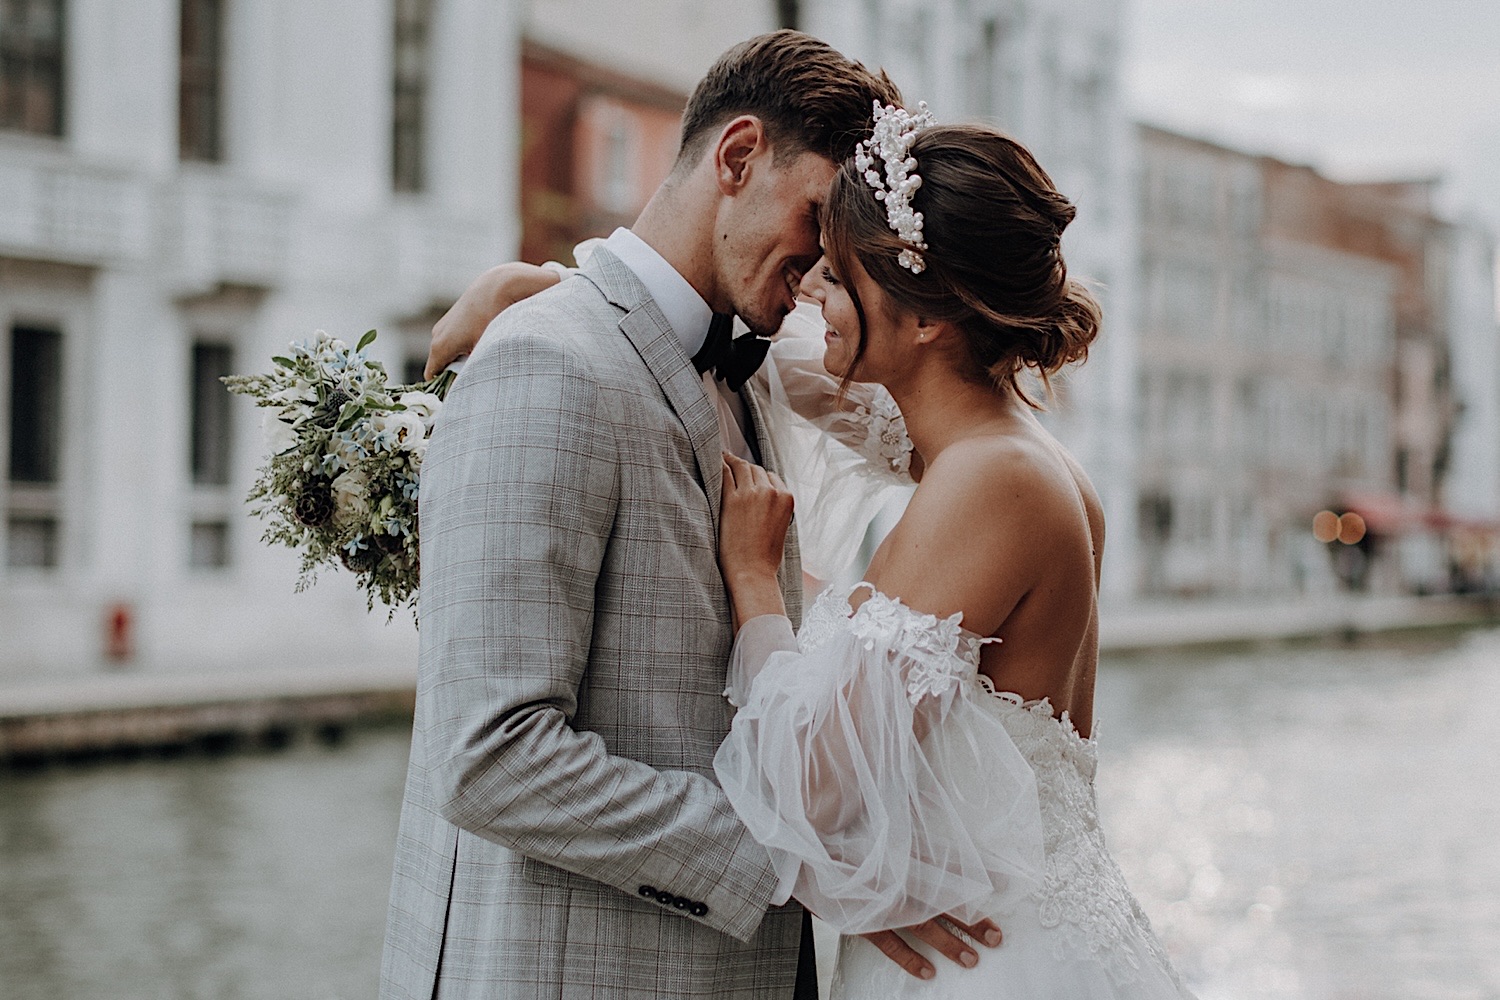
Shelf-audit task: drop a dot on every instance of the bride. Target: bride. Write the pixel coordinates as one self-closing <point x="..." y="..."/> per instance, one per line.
<point x="923" y="745"/>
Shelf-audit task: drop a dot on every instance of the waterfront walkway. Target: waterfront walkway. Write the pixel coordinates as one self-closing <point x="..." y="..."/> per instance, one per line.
<point x="127" y="710"/>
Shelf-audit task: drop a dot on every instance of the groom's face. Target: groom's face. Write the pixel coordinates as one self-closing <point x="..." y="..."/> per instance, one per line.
<point x="769" y="237"/>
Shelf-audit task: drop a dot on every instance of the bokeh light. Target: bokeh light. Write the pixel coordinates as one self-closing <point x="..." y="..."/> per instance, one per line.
<point x="1351" y="528"/>
<point x="1325" y="526"/>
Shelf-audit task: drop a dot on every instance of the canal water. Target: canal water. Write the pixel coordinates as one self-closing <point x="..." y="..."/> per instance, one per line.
<point x="1318" y="822"/>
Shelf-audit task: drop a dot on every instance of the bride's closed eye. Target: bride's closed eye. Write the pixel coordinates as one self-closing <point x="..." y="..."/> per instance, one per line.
<point x="828" y="275"/>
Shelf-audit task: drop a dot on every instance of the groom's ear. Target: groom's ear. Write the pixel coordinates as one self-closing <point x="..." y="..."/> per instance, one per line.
<point x="742" y="142"/>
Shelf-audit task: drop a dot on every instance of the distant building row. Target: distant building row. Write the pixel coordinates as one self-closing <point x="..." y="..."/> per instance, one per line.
<point x="1308" y="345"/>
<point x="1278" y="343"/>
<point x="186" y="185"/>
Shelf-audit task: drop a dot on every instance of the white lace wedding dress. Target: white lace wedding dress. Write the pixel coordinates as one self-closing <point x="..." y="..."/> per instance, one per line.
<point x="891" y="783"/>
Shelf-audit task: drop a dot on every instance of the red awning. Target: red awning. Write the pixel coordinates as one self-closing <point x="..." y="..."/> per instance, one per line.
<point x="1392" y="514"/>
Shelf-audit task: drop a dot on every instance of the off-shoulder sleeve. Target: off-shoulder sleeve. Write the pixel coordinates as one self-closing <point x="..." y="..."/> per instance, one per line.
<point x="855" y="764"/>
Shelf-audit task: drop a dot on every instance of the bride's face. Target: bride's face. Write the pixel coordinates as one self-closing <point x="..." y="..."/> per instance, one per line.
<point x="842" y="338"/>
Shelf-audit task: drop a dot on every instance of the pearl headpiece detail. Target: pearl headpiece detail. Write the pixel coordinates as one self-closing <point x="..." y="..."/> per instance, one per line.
<point x="890" y="142"/>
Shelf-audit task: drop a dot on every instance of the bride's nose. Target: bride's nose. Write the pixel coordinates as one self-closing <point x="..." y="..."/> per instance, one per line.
<point x="811" y="284"/>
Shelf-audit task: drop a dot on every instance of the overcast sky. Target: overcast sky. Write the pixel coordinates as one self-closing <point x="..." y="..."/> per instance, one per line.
<point x="1359" y="88"/>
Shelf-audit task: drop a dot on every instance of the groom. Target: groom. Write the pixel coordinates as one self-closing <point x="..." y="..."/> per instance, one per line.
<point x="561" y="833"/>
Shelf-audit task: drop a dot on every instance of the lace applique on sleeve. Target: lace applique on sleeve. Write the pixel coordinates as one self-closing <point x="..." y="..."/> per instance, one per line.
<point x="942" y="653"/>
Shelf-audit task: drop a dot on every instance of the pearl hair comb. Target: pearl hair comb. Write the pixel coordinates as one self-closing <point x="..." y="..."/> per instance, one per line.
<point x="895" y="130"/>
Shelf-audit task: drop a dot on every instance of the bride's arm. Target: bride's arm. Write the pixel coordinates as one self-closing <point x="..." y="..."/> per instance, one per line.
<point x="815" y="760"/>
<point x="860" y="416"/>
<point x="459" y="329"/>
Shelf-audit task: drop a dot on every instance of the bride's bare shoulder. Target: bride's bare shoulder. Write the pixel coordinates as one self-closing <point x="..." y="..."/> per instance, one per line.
<point x="991" y="520"/>
<point x="1027" y="479"/>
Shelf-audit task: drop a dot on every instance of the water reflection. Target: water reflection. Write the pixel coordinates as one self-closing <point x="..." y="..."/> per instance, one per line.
<point x="240" y="877"/>
<point x="1300" y="823"/>
<point x="1314" y="822"/>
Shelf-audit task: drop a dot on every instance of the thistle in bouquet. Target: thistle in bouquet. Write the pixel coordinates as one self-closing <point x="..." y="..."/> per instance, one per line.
<point x="346" y="446"/>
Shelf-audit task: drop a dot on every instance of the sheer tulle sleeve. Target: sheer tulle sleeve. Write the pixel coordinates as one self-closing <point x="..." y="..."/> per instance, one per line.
<point x="846" y="760"/>
<point x="845" y="455"/>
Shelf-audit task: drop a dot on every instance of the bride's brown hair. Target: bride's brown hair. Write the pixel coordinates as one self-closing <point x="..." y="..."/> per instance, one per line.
<point x="993" y="222"/>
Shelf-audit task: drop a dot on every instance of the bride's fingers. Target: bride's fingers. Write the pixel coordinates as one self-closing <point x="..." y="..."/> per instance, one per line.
<point x="986" y="930"/>
<point x="735" y="473"/>
<point x="738" y="468"/>
<point x="940" y="936"/>
<point x="903" y="954"/>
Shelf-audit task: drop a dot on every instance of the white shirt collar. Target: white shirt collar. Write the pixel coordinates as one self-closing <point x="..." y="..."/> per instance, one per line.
<point x="686" y="312"/>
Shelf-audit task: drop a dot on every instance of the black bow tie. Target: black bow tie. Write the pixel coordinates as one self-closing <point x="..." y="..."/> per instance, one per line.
<point x="732" y="359"/>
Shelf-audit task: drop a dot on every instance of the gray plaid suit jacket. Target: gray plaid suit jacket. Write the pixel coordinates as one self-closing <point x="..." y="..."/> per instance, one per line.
<point x="562" y="834"/>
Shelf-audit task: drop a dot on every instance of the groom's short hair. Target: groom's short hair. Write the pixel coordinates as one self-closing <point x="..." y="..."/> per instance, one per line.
<point x="808" y="96"/>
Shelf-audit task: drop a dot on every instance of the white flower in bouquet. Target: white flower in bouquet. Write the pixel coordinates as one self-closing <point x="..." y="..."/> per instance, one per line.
<point x="280" y="435"/>
<point x="351" y="499"/>
<point x="341" y="483"/>
<point x="424" y="404"/>
<point x="401" y="430"/>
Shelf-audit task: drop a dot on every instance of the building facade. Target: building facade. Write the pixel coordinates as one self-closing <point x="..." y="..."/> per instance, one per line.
<point x="1472" y="490"/>
<point x="597" y="144"/>
<point x="1298" y="345"/>
<point x="186" y="186"/>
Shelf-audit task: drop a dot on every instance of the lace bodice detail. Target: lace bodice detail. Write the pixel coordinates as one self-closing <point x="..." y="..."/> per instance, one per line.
<point x="1083" y="895"/>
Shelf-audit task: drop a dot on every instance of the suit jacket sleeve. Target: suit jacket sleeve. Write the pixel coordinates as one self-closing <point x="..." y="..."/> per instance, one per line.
<point x="519" y="492"/>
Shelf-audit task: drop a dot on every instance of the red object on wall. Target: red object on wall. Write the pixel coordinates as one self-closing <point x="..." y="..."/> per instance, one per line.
<point x="119" y="624"/>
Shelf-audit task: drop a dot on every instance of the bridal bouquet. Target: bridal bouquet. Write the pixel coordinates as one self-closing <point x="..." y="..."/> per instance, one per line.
<point x="346" y="452"/>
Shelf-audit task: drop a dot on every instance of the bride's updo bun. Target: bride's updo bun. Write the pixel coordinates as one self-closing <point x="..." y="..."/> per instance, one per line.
<point x="993" y="223"/>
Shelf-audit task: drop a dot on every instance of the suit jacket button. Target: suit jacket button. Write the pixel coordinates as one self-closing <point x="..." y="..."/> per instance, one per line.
<point x="678" y="903"/>
<point x="699" y="910"/>
<point x="664" y="897"/>
<point x="647" y="890"/>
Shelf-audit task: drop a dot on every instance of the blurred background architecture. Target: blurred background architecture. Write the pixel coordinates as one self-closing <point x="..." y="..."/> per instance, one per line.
<point x="186" y="185"/>
<point x="1298" y="337"/>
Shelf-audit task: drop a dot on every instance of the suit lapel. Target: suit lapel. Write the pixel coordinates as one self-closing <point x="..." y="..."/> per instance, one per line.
<point x="661" y="350"/>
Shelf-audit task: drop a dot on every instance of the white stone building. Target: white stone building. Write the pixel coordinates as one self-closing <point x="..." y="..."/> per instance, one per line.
<point x="1473" y="486"/>
<point x="185" y="186"/>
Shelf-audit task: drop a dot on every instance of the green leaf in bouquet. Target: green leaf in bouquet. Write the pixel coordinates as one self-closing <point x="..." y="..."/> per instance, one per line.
<point x="365" y="341"/>
<point x="350" y="414"/>
<point x="284" y="362"/>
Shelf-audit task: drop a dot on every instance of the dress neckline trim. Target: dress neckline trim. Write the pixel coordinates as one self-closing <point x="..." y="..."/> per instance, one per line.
<point x="1040" y="706"/>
